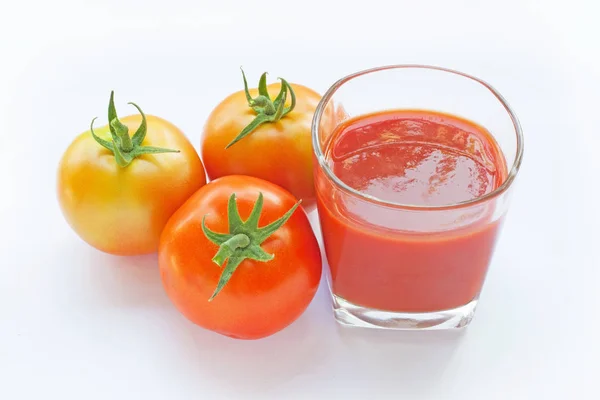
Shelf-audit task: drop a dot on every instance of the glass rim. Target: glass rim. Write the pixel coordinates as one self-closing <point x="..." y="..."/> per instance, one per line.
<point x="512" y="174"/>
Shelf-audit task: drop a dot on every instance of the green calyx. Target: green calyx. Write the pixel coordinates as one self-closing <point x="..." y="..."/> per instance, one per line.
<point x="267" y="110"/>
<point x="243" y="240"/>
<point x="124" y="147"/>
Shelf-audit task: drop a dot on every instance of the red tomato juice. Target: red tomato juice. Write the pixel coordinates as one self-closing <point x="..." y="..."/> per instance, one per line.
<point x="393" y="261"/>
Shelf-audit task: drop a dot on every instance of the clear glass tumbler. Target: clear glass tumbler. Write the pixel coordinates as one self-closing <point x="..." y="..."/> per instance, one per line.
<point x="409" y="266"/>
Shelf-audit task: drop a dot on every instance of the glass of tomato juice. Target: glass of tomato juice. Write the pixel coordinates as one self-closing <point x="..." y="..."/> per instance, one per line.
<point x="414" y="166"/>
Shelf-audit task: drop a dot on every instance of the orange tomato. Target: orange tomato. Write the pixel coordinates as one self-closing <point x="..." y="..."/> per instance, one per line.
<point x="122" y="209"/>
<point x="227" y="269"/>
<point x="278" y="149"/>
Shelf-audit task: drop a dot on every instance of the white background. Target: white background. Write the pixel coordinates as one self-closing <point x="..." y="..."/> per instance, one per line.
<point x="79" y="324"/>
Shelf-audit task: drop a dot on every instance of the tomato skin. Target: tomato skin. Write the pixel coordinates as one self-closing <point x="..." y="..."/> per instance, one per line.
<point x="122" y="211"/>
<point x="261" y="298"/>
<point x="279" y="152"/>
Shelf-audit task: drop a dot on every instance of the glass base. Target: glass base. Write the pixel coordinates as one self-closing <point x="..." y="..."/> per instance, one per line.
<point x="349" y="314"/>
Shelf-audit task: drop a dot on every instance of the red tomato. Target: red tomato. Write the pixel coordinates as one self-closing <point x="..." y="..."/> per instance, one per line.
<point x="237" y="274"/>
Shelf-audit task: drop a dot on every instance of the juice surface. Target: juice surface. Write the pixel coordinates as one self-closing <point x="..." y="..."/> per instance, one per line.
<point x="410" y="157"/>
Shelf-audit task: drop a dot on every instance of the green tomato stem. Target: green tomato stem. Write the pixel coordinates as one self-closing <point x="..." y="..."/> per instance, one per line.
<point x="124" y="147"/>
<point x="228" y="247"/>
<point x="266" y="109"/>
<point x="123" y="133"/>
<point x="246" y="242"/>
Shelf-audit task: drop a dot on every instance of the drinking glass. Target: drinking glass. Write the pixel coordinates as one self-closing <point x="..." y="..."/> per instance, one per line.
<point x="410" y="266"/>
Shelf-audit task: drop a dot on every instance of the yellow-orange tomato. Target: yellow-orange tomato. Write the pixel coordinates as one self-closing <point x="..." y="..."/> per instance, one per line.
<point x="122" y="210"/>
<point x="279" y="152"/>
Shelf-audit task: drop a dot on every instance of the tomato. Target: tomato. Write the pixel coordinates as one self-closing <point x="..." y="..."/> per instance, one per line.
<point x="236" y="274"/>
<point x="119" y="200"/>
<point x="275" y="147"/>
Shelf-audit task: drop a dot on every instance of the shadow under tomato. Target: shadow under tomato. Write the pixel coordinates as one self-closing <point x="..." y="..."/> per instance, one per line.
<point x="261" y="366"/>
<point x="257" y="367"/>
<point x="103" y="281"/>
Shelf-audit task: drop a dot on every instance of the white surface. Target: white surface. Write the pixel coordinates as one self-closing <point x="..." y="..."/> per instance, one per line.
<point x="76" y="323"/>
